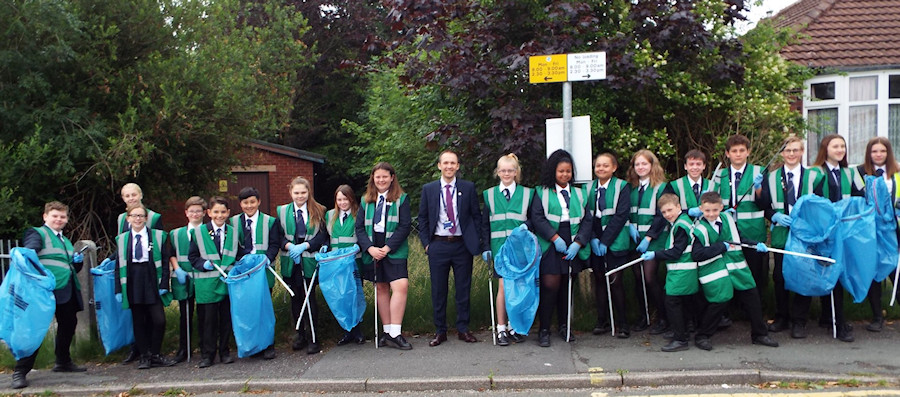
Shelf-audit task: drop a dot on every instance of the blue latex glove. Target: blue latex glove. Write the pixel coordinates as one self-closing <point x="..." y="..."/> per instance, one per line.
<point x="782" y="219"/>
<point x="163" y="291"/>
<point x="295" y="251"/>
<point x="632" y="230"/>
<point x="730" y="211"/>
<point x="603" y="249"/>
<point x="695" y="212"/>
<point x="572" y="251"/>
<point x="757" y="181"/>
<point x="324" y="249"/>
<point x="207" y="266"/>
<point x="560" y="245"/>
<point x="642" y="247"/>
<point x="761" y="247"/>
<point x="727" y="246"/>
<point x="648" y="256"/>
<point x="181" y="275"/>
<point x="487" y="255"/>
<point x="595" y="247"/>
<point x="119" y="297"/>
<point x="78" y="258"/>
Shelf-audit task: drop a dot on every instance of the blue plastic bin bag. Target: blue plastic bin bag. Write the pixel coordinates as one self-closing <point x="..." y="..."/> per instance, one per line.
<point x="252" y="315"/>
<point x="877" y="193"/>
<point x="517" y="262"/>
<point x="856" y="246"/>
<point x="341" y="285"/>
<point x="113" y="322"/>
<point x="813" y="232"/>
<point x="27" y="304"/>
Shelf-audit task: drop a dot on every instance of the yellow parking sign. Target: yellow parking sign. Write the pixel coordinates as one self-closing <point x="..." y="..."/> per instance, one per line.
<point x="547" y="69"/>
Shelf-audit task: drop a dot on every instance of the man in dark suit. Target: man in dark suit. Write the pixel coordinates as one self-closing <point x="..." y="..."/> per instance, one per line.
<point x="448" y="229"/>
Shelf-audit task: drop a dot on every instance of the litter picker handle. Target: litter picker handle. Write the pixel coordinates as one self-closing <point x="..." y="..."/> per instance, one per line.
<point x="786" y="252"/>
<point x="623" y="267"/>
<point x="281" y="280"/>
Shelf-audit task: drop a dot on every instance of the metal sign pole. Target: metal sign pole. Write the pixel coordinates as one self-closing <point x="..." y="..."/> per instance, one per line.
<point x="567" y="117"/>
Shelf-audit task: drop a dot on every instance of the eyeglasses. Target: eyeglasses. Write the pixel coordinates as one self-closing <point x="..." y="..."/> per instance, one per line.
<point x="506" y="171"/>
<point x="139" y="216"/>
<point x="789" y="151"/>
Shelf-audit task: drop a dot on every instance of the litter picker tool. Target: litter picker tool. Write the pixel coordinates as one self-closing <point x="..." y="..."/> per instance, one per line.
<point x="612" y="319"/>
<point x="764" y="171"/>
<point x="786" y="252"/>
<point x="281" y="280"/>
<point x="569" y="311"/>
<point x="375" y="289"/>
<point x="896" y="275"/>
<point x="646" y="304"/>
<point x="222" y="272"/>
<point x="307" y="290"/>
<point x="491" y="297"/>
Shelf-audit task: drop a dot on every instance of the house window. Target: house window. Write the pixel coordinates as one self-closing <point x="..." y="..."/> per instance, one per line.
<point x="894" y="86"/>
<point x="821" y="122"/>
<point x="863" y="88"/>
<point x="863" y="126"/>
<point x="894" y="128"/>
<point x="822" y="91"/>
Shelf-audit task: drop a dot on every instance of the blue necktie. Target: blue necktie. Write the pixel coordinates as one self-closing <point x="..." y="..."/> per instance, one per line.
<point x="565" y="194"/>
<point x="138" y="248"/>
<point x="379" y="209"/>
<point x="217" y="239"/>
<point x="300" y="226"/>
<point x="791" y="193"/>
<point x="601" y="198"/>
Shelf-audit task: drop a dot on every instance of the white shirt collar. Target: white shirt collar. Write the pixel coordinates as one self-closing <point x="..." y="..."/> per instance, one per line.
<point x="511" y="187"/>
<point x="693" y="182"/>
<point x="302" y="207"/>
<point x="741" y="170"/>
<point x="54" y="230"/>
<point x="832" y="168"/>
<point x="604" y="185"/>
<point x="561" y="188"/>
<point x="252" y="218"/>
<point x="644" y="183"/>
<point x="444" y="183"/>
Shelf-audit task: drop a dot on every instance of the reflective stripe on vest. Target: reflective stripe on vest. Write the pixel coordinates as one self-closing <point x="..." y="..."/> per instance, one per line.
<point x="681" y="266"/>
<point x="229" y="250"/>
<point x="261" y="230"/>
<point x="557" y="219"/>
<point x="713" y="276"/>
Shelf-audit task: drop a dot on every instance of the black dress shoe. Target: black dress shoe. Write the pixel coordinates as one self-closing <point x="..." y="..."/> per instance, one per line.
<point x="438" y="339"/>
<point x="298" y="342"/>
<point x="779" y="325"/>
<point x="660" y="328"/>
<point x="544" y="338"/>
<point x="158" y="360"/>
<point x="845" y="333"/>
<point x="313" y="348"/>
<point x="206" y="362"/>
<point x="562" y="334"/>
<point x="180" y="356"/>
<point x="503" y="338"/>
<point x="798" y="331"/>
<point x="18" y="380"/>
<point x="765" y="340"/>
<point x="641" y="326"/>
<point x="703" y="344"/>
<point x="269" y="353"/>
<point x="601" y="329"/>
<point x="131" y="357"/>
<point x="876" y="325"/>
<point x="399" y="342"/>
<point x="144" y="363"/>
<point x="226" y="358"/>
<point x="68" y="367"/>
<point x="467" y="337"/>
<point x="346" y="339"/>
<point x="383" y="337"/>
<point x="623" y="333"/>
<point x="516" y="337"/>
<point x="724" y="322"/>
<point x="360" y="340"/>
<point x="676" y="346"/>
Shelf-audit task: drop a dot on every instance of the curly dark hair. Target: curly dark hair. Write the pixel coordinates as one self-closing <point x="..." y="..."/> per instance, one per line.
<point x="548" y="173"/>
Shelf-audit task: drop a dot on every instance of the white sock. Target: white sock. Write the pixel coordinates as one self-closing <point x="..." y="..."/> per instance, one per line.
<point x="387" y="328"/>
<point x="501" y="328"/>
<point x="395" y="330"/>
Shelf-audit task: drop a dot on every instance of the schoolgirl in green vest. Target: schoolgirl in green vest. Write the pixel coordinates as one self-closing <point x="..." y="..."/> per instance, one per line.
<point x="723" y="272"/>
<point x="610" y="198"/>
<point x="689" y="187"/>
<point x="505" y="208"/>
<point x="739" y="186"/>
<point x="56" y="253"/>
<point x="143" y="268"/>
<point x="647" y="180"/>
<point x="183" y="286"/>
<point x="880" y="162"/>
<point x="681" y="269"/>
<point x="780" y="190"/>
<point x="563" y="223"/>
<point x="304" y="234"/>
<point x="216" y="243"/>
<point x="383" y="224"/>
<point x="839" y="181"/>
<point x="340" y="222"/>
<point x="261" y="234"/>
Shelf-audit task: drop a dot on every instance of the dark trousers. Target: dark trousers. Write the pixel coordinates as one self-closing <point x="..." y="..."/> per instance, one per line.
<point x="65" y="332"/>
<point x="601" y="265"/>
<point x="675" y="306"/>
<point x="758" y="262"/>
<point x="749" y="299"/>
<point x="782" y="295"/>
<point x="800" y="307"/>
<point x="442" y="257"/>
<point x="149" y="323"/>
<point x="186" y="310"/>
<point x="296" y="281"/>
<point x="215" y="326"/>
<point x="709" y="319"/>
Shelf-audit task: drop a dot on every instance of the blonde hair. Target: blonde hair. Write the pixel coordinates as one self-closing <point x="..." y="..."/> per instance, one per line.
<point x="316" y="210"/>
<point x="657" y="175"/>
<point x="132" y="185"/>
<point x="512" y="159"/>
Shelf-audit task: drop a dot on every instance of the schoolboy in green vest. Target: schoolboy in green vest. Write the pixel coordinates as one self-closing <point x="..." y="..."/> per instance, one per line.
<point x="780" y="191"/>
<point x="723" y="272"/>
<point x="259" y="234"/>
<point x="183" y="287"/>
<point x="681" y="269"/>
<point x="689" y="187"/>
<point x="142" y="264"/>
<point x="56" y="253"/>
<point x="214" y="242"/>
<point x="739" y="185"/>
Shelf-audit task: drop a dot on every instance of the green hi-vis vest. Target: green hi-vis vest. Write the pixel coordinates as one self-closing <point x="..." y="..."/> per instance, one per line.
<point x="777" y="182"/>
<point x="56" y="256"/>
<point x="751" y="220"/>
<point x="712" y="273"/>
<point x="341" y="235"/>
<point x="286" y="216"/>
<point x="848" y="175"/>
<point x="553" y="212"/>
<point x="642" y="213"/>
<point x="261" y="227"/>
<point x="182" y="243"/>
<point x="681" y="274"/>
<point x="391" y="221"/>
<point x="684" y="189"/>
<point x="207" y="285"/>
<point x="157" y="241"/>
<point x="506" y="215"/>
<point x="152" y="218"/>
<point x="622" y="242"/>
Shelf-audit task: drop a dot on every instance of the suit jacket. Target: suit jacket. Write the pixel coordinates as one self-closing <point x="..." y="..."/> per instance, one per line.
<point x="32" y="239"/>
<point x="468" y="217"/>
<point x="167" y="253"/>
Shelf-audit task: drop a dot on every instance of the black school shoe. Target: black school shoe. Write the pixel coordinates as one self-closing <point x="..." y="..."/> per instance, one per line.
<point x="298" y="342"/>
<point x="764" y="340"/>
<point x="544" y="338"/>
<point x="798" y="331"/>
<point x="601" y="329"/>
<point x="676" y="346"/>
<point x="704" y="344"/>
<point x="562" y="333"/>
<point x="68" y="367"/>
<point x="779" y="325"/>
<point x="516" y="337"/>
<point x="18" y="380"/>
<point x="503" y="338"/>
<point x="876" y="325"/>
<point x="845" y="333"/>
<point x="399" y="343"/>
<point x="660" y="328"/>
<point x="158" y="360"/>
